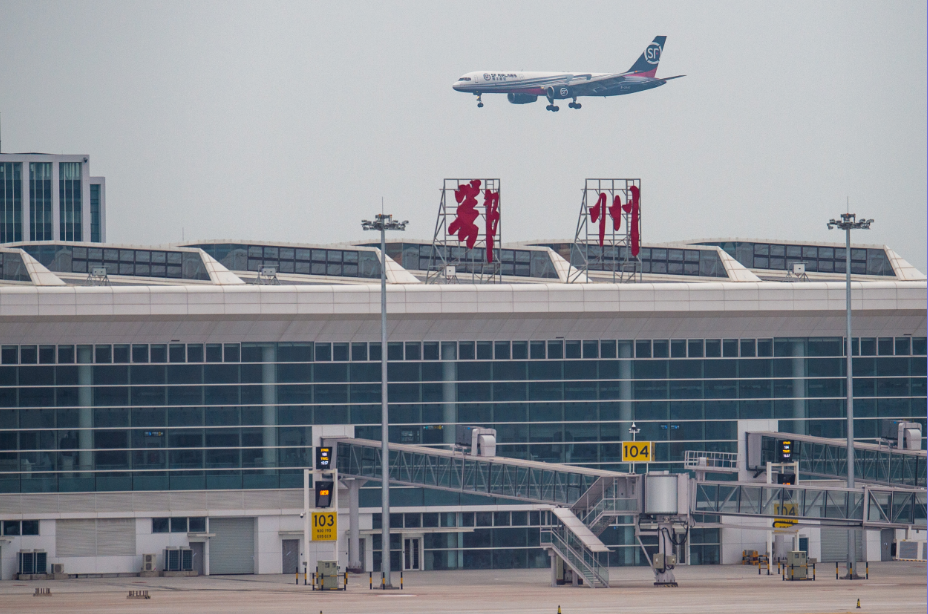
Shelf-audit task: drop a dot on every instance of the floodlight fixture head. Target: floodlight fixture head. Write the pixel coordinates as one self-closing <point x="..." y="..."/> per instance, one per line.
<point x="383" y="222"/>
<point x="849" y="221"/>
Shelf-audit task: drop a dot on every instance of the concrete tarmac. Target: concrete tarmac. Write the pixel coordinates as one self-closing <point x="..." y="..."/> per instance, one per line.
<point x="897" y="587"/>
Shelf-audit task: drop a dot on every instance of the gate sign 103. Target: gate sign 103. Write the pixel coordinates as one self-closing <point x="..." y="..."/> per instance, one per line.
<point x="324" y="526"/>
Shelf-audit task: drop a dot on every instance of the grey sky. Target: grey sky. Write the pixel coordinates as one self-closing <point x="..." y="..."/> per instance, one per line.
<point x="289" y="120"/>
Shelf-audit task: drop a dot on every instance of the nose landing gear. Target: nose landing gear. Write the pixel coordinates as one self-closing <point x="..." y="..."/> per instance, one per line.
<point x="479" y="101"/>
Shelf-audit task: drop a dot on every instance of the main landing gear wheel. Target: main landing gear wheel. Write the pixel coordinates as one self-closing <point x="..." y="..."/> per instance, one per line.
<point x="552" y="107"/>
<point x="574" y="105"/>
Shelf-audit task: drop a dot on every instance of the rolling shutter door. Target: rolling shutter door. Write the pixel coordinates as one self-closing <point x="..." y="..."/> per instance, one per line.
<point x="232" y="550"/>
<point x="834" y="545"/>
<point x="76" y="537"/>
<point x="95" y="537"/>
<point x="116" y="537"/>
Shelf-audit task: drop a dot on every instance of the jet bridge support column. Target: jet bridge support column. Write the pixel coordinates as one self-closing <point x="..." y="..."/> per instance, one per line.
<point x="354" y="528"/>
<point x="449" y="391"/>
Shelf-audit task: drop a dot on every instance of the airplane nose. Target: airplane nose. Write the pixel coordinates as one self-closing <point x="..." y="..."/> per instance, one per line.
<point x="456" y="86"/>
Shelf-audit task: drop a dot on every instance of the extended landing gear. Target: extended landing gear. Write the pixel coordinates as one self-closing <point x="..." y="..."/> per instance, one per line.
<point x="552" y="107"/>
<point x="479" y="101"/>
<point x="575" y="104"/>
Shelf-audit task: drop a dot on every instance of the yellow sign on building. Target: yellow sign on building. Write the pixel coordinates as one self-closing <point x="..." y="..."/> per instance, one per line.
<point x="787" y="509"/>
<point x="637" y="452"/>
<point x="324" y="526"/>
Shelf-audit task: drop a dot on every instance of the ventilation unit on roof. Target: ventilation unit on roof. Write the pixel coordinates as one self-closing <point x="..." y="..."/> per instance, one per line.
<point x="98" y="277"/>
<point x="267" y="276"/>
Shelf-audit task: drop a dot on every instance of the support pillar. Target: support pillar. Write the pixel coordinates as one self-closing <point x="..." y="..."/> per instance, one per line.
<point x="354" y="528"/>
<point x="449" y="369"/>
<point x="269" y="400"/>
<point x="553" y="558"/>
<point x="800" y="415"/>
<point x="625" y="386"/>
<point x="85" y="413"/>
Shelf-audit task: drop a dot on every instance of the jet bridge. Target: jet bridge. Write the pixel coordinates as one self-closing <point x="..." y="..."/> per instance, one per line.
<point x="827" y="458"/>
<point x="595" y="495"/>
<point x="584" y="501"/>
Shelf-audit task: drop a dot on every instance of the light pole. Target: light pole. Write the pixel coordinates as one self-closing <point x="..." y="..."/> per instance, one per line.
<point x="383" y="223"/>
<point x="847" y="223"/>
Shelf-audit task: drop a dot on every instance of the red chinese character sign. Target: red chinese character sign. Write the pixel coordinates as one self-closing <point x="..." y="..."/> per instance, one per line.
<point x="467" y="231"/>
<point x="608" y="237"/>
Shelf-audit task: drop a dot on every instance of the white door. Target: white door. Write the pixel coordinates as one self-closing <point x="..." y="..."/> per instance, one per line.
<point x="412" y="553"/>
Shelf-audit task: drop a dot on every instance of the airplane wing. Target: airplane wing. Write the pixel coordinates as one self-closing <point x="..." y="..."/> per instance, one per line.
<point x="669" y="78"/>
<point x="588" y="85"/>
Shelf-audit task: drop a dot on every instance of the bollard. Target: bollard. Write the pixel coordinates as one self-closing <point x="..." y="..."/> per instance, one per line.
<point x="813" y="572"/>
<point x="370" y="578"/>
<point x="836" y="570"/>
<point x="383" y="581"/>
<point x="868" y="569"/>
<point x="314" y="580"/>
<point x="401" y="579"/>
<point x="346" y="582"/>
<point x="758" y="569"/>
<point x="296" y="580"/>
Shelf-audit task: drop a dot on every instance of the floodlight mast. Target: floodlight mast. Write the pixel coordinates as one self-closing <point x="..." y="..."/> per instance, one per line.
<point x="383" y="223"/>
<point x="847" y="223"/>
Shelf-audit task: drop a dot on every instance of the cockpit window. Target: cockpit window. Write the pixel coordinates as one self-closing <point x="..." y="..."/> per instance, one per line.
<point x="464" y="79"/>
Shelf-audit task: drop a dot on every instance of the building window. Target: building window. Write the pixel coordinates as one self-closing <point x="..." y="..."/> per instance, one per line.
<point x="160" y="525"/>
<point x="69" y="198"/>
<point x="40" y="201"/>
<point x="20" y="527"/>
<point x="95" y="225"/>
<point x="11" y="202"/>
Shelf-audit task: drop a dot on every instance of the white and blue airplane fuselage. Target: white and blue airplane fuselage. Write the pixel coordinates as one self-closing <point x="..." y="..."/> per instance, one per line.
<point x="523" y="87"/>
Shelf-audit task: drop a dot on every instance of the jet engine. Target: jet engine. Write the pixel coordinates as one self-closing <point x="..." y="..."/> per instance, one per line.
<point x="521" y="98"/>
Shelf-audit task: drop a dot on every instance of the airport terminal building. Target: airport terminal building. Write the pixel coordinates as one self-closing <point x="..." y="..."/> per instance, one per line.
<point x="171" y="396"/>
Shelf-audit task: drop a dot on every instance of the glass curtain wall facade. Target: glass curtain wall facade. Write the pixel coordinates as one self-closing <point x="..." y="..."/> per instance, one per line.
<point x="40" y="201"/>
<point x="95" y="213"/>
<point x="11" y="202"/>
<point x="172" y="416"/>
<point x="70" y="198"/>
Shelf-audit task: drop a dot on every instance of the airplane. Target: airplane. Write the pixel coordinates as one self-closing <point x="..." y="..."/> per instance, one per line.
<point x="526" y="87"/>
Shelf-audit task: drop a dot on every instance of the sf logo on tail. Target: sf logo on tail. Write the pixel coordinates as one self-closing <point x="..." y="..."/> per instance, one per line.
<point x="653" y="53"/>
<point x="526" y="87"/>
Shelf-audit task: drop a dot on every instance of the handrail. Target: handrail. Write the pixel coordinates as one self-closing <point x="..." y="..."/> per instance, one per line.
<point x="610" y="504"/>
<point x="581" y="556"/>
<point x="574" y="558"/>
<point x="725" y="461"/>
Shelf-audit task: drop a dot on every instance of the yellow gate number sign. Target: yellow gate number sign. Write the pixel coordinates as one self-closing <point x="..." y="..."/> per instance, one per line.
<point x="787" y="509"/>
<point x="324" y="526"/>
<point x="637" y="451"/>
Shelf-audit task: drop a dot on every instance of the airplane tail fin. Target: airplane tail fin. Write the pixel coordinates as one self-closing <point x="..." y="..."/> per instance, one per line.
<point x="646" y="66"/>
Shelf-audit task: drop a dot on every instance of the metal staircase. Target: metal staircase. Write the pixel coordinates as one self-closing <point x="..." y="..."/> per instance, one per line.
<point x="576" y="545"/>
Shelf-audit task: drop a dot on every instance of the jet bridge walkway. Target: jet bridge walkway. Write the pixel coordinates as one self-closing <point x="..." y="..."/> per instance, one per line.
<point x="595" y="495"/>
<point x="827" y="458"/>
<point x="871" y="506"/>
<point x="585" y="501"/>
